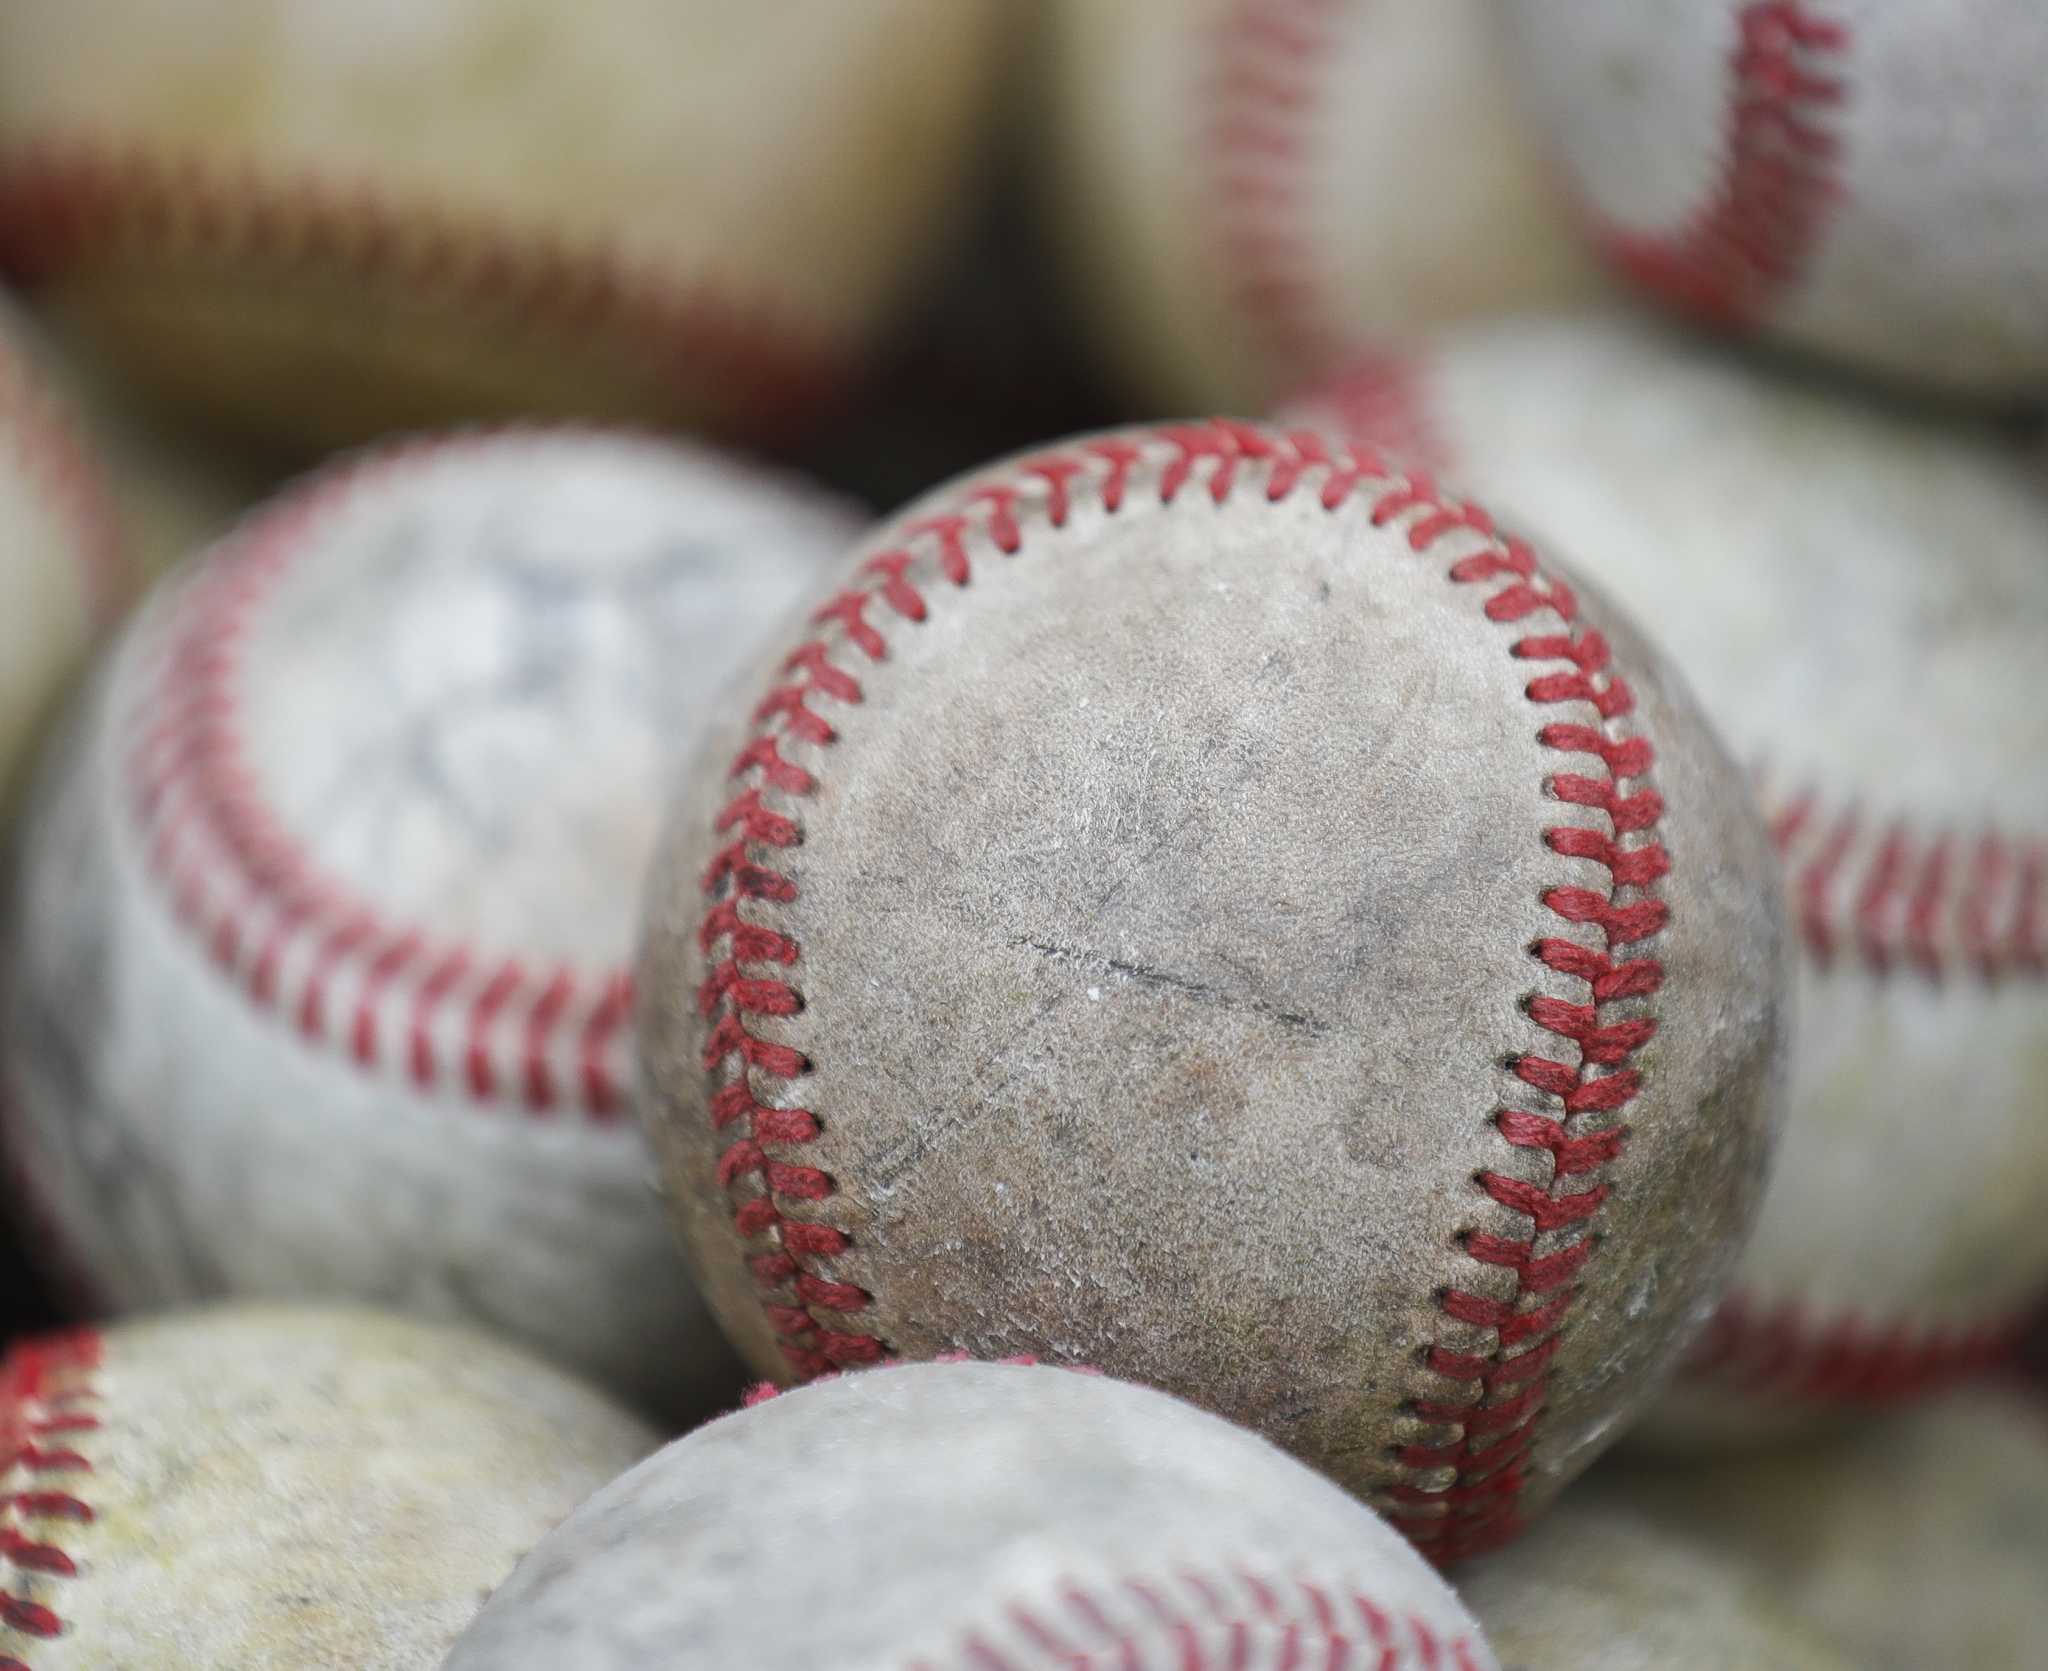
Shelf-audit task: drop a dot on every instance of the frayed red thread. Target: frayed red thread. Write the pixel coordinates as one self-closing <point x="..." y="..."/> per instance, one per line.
<point x="45" y="1406"/>
<point x="1500" y="1390"/>
<point x="1755" y="238"/>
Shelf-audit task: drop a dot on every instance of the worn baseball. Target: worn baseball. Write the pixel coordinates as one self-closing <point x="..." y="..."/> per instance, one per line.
<point x="1864" y="178"/>
<point x="63" y="561"/>
<point x="321" y="986"/>
<point x="327" y="222"/>
<point x="296" y="1489"/>
<point x="1245" y="189"/>
<point x="1205" y="907"/>
<point x="1861" y="599"/>
<point x="1028" y="1517"/>
<point x="1917" y="1542"/>
<point x="1606" y="1587"/>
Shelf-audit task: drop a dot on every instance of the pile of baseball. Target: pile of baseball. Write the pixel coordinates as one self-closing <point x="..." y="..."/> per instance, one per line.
<point x="1403" y="1031"/>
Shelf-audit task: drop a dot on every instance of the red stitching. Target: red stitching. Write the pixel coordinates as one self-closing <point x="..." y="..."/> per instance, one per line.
<point x="1890" y="898"/>
<point x="1268" y="56"/>
<point x="1883" y="892"/>
<point x="45" y="1406"/>
<point x="1753" y="240"/>
<point x="63" y="201"/>
<point x="1896" y="898"/>
<point x="1788" y="1353"/>
<point x="1381" y="400"/>
<point x="55" y="458"/>
<point x="1215" y="1621"/>
<point x="252" y="899"/>
<point x="1588" y="1084"/>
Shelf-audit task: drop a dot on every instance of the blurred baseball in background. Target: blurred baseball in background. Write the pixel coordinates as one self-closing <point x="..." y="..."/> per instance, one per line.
<point x="1864" y="179"/>
<point x="321" y="982"/>
<point x="321" y="223"/>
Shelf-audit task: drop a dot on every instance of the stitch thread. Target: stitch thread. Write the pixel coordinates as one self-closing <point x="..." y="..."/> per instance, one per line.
<point x="1753" y="240"/>
<point x="64" y="202"/>
<point x="1787" y="1353"/>
<point x="1873" y="893"/>
<point x="250" y="896"/>
<point x="1215" y="1622"/>
<point x="1267" y="85"/>
<point x="1588" y="1085"/>
<point x="1880" y="893"/>
<point x="45" y="1407"/>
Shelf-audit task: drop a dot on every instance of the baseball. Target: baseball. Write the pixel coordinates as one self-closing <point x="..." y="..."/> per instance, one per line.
<point x="1033" y="1517"/>
<point x="1605" y="1587"/>
<point x="1248" y="188"/>
<point x="1864" y="178"/>
<point x="1205" y="907"/>
<point x="1919" y="1541"/>
<point x="1861" y="600"/>
<point x="62" y="557"/>
<point x="321" y="986"/>
<point x="326" y="222"/>
<point x="291" y="1489"/>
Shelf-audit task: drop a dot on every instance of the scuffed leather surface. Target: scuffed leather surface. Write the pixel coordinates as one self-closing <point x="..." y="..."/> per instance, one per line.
<point x="1165" y="909"/>
<point x="947" y="1516"/>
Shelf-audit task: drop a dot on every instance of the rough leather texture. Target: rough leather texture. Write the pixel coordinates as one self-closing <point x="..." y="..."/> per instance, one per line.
<point x="1605" y="1588"/>
<point x="1917" y="1542"/>
<point x="1864" y="178"/>
<point x="960" y="1516"/>
<point x="293" y="1489"/>
<point x="459" y="676"/>
<point x="1166" y="907"/>
<point x="1860" y="597"/>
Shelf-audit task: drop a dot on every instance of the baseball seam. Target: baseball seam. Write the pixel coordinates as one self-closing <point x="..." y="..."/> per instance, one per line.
<point x="54" y="457"/>
<point x="1885" y="894"/>
<point x="1754" y="237"/>
<point x="533" y="1033"/>
<point x="1787" y="1352"/>
<point x="1214" y="1621"/>
<point x="1268" y="64"/>
<point x="65" y="201"/>
<point x="45" y="1401"/>
<point x="1879" y="890"/>
<point x="1880" y="894"/>
<point x="1477" y="1476"/>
